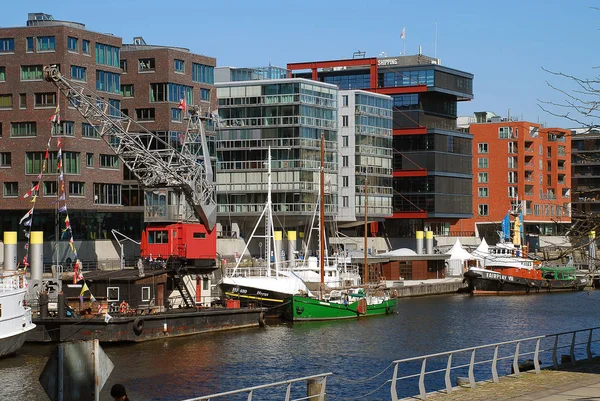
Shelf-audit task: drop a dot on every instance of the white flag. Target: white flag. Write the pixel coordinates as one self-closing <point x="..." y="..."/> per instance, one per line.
<point x="29" y="213"/>
<point x="568" y="193"/>
<point x="107" y="318"/>
<point x="403" y="34"/>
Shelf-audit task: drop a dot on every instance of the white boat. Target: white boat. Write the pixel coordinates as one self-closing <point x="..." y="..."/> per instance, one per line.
<point x="267" y="285"/>
<point x="15" y="317"/>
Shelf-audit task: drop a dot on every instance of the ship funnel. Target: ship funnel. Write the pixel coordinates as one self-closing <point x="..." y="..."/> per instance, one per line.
<point x="429" y="242"/>
<point x="419" y="242"/>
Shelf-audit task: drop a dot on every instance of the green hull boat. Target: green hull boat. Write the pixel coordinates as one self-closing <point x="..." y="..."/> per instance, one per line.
<point x="302" y="308"/>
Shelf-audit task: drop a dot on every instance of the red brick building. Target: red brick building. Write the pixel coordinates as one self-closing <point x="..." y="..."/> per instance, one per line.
<point x="519" y="164"/>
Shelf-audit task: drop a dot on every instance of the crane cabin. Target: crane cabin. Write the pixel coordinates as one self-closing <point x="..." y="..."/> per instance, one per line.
<point x="192" y="243"/>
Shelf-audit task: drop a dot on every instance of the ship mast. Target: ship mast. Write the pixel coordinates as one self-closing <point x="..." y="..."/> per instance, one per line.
<point x="365" y="265"/>
<point x="322" y="214"/>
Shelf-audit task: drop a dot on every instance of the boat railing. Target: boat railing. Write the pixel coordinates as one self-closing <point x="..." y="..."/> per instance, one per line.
<point x="493" y="360"/>
<point x="292" y="393"/>
<point x="10" y="281"/>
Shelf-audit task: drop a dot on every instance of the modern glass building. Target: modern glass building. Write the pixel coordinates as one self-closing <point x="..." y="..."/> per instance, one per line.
<point x="288" y="117"/>
<point x="432" y="159"/>
<point x="365" y="148"/>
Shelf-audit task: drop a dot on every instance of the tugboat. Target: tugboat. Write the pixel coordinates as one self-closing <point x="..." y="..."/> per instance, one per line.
<point x="505" y="269"/>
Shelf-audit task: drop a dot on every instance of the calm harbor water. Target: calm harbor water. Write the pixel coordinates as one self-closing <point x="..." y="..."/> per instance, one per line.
<point x="181" y="368"/>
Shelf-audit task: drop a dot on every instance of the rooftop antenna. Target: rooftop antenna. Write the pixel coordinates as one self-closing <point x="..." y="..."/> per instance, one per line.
<point x="435" y="42"/>
<point x="359" y="54"/>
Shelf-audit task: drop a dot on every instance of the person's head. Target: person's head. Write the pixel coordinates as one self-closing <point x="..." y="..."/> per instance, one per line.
<point x="118" y="392"/>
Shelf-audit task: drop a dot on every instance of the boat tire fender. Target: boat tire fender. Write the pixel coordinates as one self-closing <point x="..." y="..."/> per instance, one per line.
<point x="527" y="290"/>
<point x="388" y="310"/>
<point x="138" y="326"/>
<point x="501" y="281"/>
<point x="261" y="319"/>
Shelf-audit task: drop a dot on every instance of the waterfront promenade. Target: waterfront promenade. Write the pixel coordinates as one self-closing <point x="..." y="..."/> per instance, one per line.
<point x="580" y="382"/>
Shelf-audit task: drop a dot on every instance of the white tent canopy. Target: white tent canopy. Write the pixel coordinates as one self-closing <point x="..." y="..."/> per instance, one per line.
<point x="456" y="262"/>
<point x="457" y="252"/>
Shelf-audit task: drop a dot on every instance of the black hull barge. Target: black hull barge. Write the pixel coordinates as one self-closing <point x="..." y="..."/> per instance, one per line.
<point x="174" y="323"/>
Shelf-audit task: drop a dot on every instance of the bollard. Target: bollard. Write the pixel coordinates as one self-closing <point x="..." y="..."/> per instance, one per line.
<point x="43" y="305"/>
<point x="36" y="252"/>
<point x="61" y="305"/>
<point x="315" y="387"/>
<point x="10" y="250"/>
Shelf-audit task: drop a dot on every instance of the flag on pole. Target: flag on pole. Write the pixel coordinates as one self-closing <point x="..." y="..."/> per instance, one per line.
<point x="84" y="288"/>
<point x="107" y="318"/>
<point x="182" y="104"/>
<point x="33" y="199"/>
<point x="63" y="209"/>
<point x="403" y="33"/>
<point x="29" y="213"/>
<point x="36" y="187"/>
<point x="27" y="223"/>
<point x="92" y="299"/>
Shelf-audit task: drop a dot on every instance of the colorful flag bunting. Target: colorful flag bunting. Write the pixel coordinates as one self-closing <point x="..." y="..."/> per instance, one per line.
<point x="29" y="213"/>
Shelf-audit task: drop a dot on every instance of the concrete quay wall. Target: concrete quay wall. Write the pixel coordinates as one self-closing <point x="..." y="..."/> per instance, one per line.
<point x="430" y="287"/>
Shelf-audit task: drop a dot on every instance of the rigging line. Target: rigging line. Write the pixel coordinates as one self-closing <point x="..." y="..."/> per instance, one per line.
<point x="361" y="396"/>
<point x="368" y="378"/>
<point x="408" y="200"/>
<point x="408" y="158"/>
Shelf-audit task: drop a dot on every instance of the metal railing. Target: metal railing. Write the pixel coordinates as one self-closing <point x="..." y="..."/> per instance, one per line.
<point x="287" y="384"/>
<point x="479" y="356"/>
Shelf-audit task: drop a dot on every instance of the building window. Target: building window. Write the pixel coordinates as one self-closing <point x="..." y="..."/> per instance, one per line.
<point x="32" y="73"/>
<point x="144" y="114"/>
<point x="107" y="55"/>
<point x="482" y="162"/>
<point x="176" y="114"/>
<point x="34" y="161"/>
<point x="108" y="81"/>
<point x="89" y="131"/>
<point x="178" y="66"/>
<point x="127" y="90"/>
<point x="512" y="147"/>
<point x="71" y="163"/>
<point x="11" y="189"/>
<point x="171" y="93"/>
<point x="76" y="188"/>
<point x="344" y="121"/>
<point x="23" y="129"/>
<point x="5" y="159"/>
<point x="107" y="194"/>
<point x="109" y="161"/>
<point x="22" y="101"/>
<point x="344" y="100"/>
<point x="505" y="132"/>
<point x="112" y="294"/>
<point x="512" y="177"/>
<point x="345" y="201"/>
<point x="512" y="192"/>
<point x="50" y="188"/>
<point x="345" y="161"/>
<point x="482" y="148"/>
<point x="512" y="161"/>
<point x="115" y="107"/>
<point x="47" y="99"/>
<point x="203" y="74"/>
<point x="46" y="43"/>
<point x="72" y="44"/>
<point x="205" y="94"/>
<point x="30" y="42"/>
<point x="89" y="159"/>
<point x="78" y="73"/>
<point x="6" y="101"/>
<point x="482" y="192"/>
<point x="146" y="65"/>
<point x="66" y="128"/>
<point x="345" y="141"/>
<point x="345" y="181"/>
<point x="7" y="45"/>
<point x="124" y="66"/>
<point x="2" y="74"/>
<point x="145" y="294"/>
<point x="483" y="210"/>
<point x="482" y="178"/>
<point x="85" y="47"/>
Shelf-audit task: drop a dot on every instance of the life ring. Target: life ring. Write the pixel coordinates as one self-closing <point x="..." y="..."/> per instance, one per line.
<point x="123" y="307"/>
<point x="261" y="319"/>
<point x="138" y="326"/>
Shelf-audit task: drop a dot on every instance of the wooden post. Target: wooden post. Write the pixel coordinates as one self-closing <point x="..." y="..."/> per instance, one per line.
<point x="315" y="389"/>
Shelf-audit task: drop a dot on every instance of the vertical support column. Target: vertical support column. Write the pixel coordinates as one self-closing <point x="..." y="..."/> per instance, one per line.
<point x="429" y="242"/>
<point x="291" y="236"/>
<point x="36" y="252"/>
<point x="419" y="245"/>
<point x="315" y="74"/>
<point x="278" y="244"/>
<point x="316" y="389"/>
<point x="373" y="74"/>
<point x="10" y="250"/>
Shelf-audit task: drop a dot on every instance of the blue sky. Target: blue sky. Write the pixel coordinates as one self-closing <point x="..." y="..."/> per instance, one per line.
<point x="504" y="44"/>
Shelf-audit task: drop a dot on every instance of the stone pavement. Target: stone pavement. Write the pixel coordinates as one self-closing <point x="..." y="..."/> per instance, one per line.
<point x="580" y="382"/>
